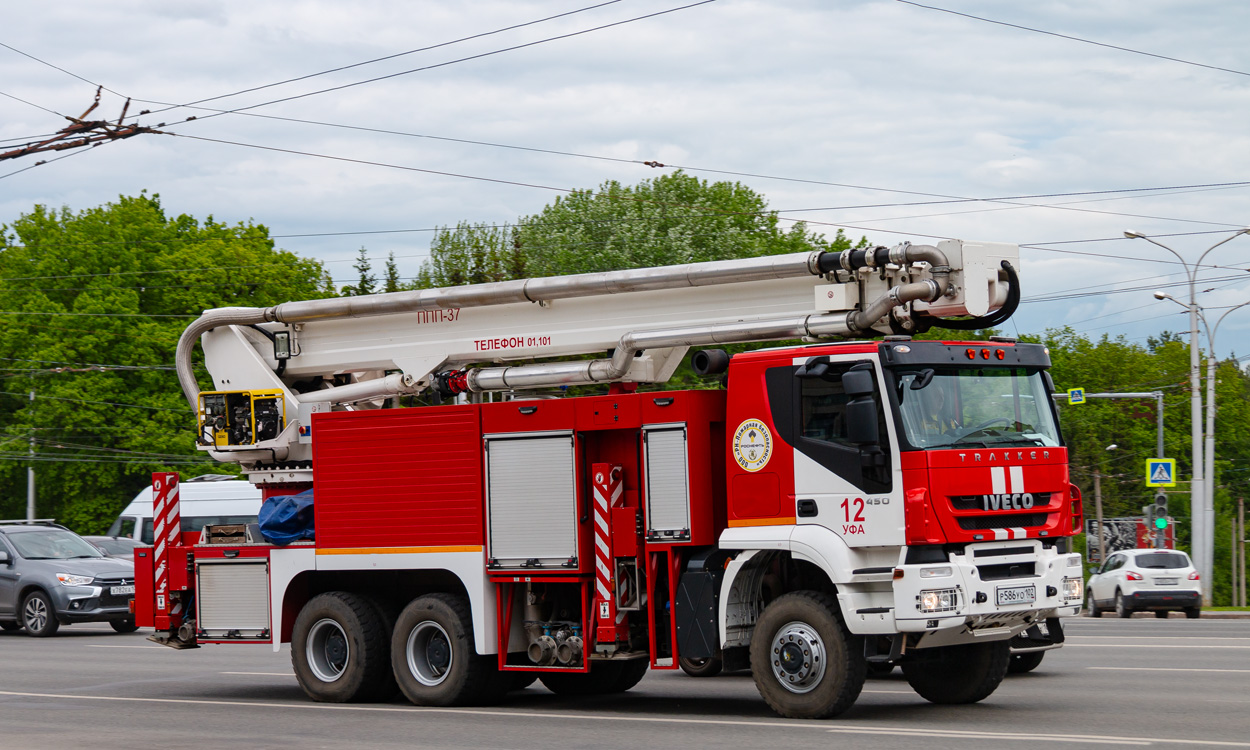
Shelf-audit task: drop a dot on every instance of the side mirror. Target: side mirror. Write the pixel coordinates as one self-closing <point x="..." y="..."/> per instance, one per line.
<point x="861" y="421"/>
<point x="816" y="367"/>
<point x="858" y="383"/>
<point x="4" y="557"/>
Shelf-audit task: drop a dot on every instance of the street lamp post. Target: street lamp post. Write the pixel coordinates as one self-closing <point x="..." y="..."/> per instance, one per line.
<point x="1203" y="533"/>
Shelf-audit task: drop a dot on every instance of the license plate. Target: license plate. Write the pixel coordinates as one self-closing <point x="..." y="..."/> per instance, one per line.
<point x="1166" y="581"/>
<point x="119" y="590"/>
<point x="1017" y="595"/>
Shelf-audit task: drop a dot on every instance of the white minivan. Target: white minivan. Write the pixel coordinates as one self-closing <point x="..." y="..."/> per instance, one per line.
<point x="206" y="499"/>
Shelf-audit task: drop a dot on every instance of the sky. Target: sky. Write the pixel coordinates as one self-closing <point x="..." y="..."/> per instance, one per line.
<point x="1053" y="125"/>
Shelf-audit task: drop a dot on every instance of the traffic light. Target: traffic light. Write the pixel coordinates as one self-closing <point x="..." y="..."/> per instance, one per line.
<point x="1161" y="511"/>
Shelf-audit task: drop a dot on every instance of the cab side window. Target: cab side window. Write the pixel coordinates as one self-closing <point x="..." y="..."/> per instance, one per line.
<point x="811" y="414"/>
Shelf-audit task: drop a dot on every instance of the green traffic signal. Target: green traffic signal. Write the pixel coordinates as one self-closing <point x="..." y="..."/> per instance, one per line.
<point x="1161" y="523"/>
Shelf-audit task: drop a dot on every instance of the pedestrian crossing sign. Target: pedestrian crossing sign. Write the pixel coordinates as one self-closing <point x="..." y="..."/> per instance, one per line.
<point x="1076" y="395"/>
<point x="1160" y="472"/>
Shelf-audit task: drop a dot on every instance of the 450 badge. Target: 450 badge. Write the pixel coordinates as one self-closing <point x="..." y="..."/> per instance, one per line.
<point x="752" y="445"/>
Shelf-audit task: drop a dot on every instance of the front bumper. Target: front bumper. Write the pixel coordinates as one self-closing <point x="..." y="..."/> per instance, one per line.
<point x="980" y="577"/>
<point x="90" y="604"/>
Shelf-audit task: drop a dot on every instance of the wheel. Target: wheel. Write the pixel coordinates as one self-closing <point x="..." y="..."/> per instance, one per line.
<point x="1021" y="663"/>
<point x="1193" y="613"/>
<point x="604" y="678"/>
<point x="123" y="626"/>
<point x="38" y="616"/>
<point x="880" y="668"/>
<point x="433" y="656"/>
<point x="10" y="625"/>
<point x="386" y="688"/>
<point x="806" y="665"/>
<point x="1162" y="614"/>
<point x="1121" y="609"/>
<point x="958" y="674"/>
<point x="709" y="667"/>
<point x="338" y="648"/>
<point x="1092" y="606"/>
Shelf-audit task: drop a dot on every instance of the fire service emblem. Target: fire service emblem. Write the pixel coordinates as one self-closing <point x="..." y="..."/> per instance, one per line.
<point x="753" y="445"/>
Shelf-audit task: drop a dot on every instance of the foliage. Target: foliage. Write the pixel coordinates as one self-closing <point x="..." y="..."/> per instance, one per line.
<point x="95" y="302"/>
<point x="367" y="283"/>
<point x="1109" y="365"/>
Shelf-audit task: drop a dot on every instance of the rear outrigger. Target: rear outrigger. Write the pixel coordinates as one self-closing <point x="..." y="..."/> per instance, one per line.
<point x="831" y="506"/>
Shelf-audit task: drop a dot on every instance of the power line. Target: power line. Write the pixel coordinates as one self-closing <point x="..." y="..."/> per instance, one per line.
<point x="57" y="67"/>
<point x="443" y="64"/>
<point x="387" y="57"/>
<point x="36" y="106"/>
<point x="1077" y="39"/>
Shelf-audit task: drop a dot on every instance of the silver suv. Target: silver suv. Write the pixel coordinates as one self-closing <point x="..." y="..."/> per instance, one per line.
<point x="49" y="575"/>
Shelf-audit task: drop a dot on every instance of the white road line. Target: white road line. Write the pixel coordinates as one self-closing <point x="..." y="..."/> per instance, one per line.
<point x="1164" y="669"/>
<point x="266" y="674"/>
<point x="890" y="692"/>
<point x="1143" y="645"/>
<point x="1043" y="734"/>
<point x="1160" y="637"/>
<point x="109" y="645"/>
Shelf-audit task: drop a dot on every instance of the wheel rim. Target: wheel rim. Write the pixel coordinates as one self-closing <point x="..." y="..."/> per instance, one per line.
<point x="328" y="650"/>
<point x="429" y="653"/>
<point x="35" y="613"/>
<point x="798" y="657"/>
<point x="1119" y="603"/>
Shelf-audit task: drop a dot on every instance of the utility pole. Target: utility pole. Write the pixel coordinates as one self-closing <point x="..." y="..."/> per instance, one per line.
<point x="1241" y="543"/>
<point x="30" y="470"/>
<point x="1102" y="538"/>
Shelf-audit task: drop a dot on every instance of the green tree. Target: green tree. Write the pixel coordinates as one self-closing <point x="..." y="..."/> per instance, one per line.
<point x="391" y="282"/>
<point x="94" y="304"/>
<point x="367" y="283"/>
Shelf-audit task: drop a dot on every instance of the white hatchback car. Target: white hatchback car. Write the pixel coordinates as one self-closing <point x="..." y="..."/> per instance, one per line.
<point x="1158" y="580"/>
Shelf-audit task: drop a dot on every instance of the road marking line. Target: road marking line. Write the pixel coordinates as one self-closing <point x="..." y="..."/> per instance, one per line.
<point x="109" y="645"/>
<point x="1042" y="734"/>
<point x="266" y="674"/>
<point x="1161" y="637"/>
<point x="1165" y="669"/>
<point x="1143" y="645"/>
<point x="890" y="692"/>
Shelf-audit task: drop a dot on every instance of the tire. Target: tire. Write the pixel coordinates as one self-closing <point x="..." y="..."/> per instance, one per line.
<point x="123" y="626"/>
<point x="1193" y="613"/>
<point x="338" y="648"/>
<point x="805" y="662"/>
<point x="880" y="668"/>
<point x="1162" y="614"/>
<point x="604" y="678"/>
<point x="709" y="667"/>
<point x="386" y="689"/>
<point x="958" y="674"/>
<point x="10" y="625"/>
<point x="1021" y="663"/>
<point x="1122" y="610"/>
<point x="434" y="659"/>
<point x="38" y="615"/>
<point x="1094" y="611"/>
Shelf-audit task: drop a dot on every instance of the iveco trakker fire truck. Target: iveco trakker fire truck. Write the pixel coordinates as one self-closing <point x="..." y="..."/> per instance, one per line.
<point x="858" y="499"/>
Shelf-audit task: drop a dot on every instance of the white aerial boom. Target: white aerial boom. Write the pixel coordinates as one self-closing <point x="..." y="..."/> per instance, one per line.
<point x="351" y="352"/>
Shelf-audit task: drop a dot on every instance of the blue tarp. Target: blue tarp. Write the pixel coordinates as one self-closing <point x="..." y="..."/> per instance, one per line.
<point x="287" y="518"/>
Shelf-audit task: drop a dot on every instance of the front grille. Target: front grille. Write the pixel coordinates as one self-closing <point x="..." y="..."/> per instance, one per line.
<point x="1005" y="570"/>
<point x="111" y="600"/>
<point x="1002" y="521"/>
<point x="977" y="502"/>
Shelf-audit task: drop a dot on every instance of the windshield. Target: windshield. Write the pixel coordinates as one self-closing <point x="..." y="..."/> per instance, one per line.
<point x="950" y="407"/>
<point x="121" y="546"/>
<point x="52" y="544"/>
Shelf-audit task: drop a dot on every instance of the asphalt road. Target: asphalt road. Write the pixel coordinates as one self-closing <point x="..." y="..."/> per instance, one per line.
<point x="1143" y="682"/>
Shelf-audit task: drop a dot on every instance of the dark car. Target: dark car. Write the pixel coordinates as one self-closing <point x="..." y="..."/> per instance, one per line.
<point x="116" y="546"/>
<point x="50" y="576"/>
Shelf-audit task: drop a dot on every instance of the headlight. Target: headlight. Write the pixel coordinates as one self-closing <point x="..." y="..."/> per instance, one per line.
<point x="944" y="571"/>
<point x="938" y="600"/>
<point x="1074" y="561"/>
<point x="69" y="579"/>
<point x="1072" y="589"/>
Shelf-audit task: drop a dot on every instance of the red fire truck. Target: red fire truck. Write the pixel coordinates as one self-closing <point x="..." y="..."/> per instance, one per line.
<point x="821" y="509"/>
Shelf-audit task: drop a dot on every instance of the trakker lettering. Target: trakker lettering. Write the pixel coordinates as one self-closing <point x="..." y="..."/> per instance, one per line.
<point x="1014" y="501"/>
